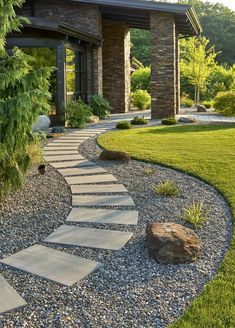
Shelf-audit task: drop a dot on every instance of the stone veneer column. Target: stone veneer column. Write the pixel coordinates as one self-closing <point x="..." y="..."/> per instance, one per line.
<point x="163" y="65"/>
<point x="116" y="65"/>
<point x="177" y="55"/>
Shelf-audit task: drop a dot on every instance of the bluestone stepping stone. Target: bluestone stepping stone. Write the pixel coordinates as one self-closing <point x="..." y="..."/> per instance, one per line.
<point x="60" y="152"/>
<point x="60" y="165"/>
<point x="52" y="264"/>
<point x="58" y="144"/>
<point x="59" y="148"/>
<point x="98" y="189"/>
<point x="60" y="158"/>
<point x="9" y="298"/>
<point x="86" y="179"/>
<point x="70" y="141"/>
<point x="82" y="171"/>
<point x="89" y="237"/>
<point x="105" y="200"/>
<point x="104" y="216"/>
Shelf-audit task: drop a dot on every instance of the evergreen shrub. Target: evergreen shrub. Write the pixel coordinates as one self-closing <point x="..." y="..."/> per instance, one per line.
<point x="76" y="113"/>
<point x="141" y="99"/>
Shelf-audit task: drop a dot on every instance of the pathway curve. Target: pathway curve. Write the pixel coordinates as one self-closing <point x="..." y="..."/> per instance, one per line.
<point x="95" y="198"/>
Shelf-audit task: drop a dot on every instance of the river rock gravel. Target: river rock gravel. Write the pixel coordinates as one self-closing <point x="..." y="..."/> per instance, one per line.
<point x="131" y="289"/>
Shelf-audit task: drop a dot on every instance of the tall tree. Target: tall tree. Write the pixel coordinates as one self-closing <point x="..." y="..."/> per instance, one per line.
<point x="23" y="95"/>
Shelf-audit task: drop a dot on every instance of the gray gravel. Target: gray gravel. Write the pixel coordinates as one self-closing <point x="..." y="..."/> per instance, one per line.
<point x="130" y="290"/>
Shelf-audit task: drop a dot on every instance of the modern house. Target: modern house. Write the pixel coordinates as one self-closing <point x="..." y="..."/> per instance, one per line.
<point x="90" y="43"/>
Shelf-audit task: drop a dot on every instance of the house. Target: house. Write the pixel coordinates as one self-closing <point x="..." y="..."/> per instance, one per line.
<point x="90" y="40"/>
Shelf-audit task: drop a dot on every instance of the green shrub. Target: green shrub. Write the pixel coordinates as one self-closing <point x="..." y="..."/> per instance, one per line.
<point x="140" y="79"/>
<point x="166" y="188"/>
<point x="187" y="102"/>
<point x="76" y="113"/>
<point x="207" y="104"/>
<point x="141" y="99"/>
<point x="58" y="129"/>
<point x="224" y="103"/>
<point x="100" y="106"/>
<point x="169" y="121"/>
<point x="123" y="125"/>
<point x="148" y="170"/>
<point x="195" y="214"/>
<point x="139" y="121"/>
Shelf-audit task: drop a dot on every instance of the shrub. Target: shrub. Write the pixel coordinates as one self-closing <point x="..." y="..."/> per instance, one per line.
<point x="100" y="106"/>
<point x="123" y="125"/>
<point x="169" y="121"/>
<point x="58" y="129"/>
<point x="148" y="170"/>
<point x="166" y="188"/>
<point x="76" y="113"/>
<point x="207" y="104"/>
<point x="140" y="79"/>
<point x="139" y="121"/>
<point x="195" y="214"/>
<point x="224" y="103"/>
<point x="141" y="99"/>
<point x="187" y="102"/>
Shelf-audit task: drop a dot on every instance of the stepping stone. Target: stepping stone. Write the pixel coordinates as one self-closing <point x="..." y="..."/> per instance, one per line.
<point x="9" y="298"/>
<point x="60" y="152"/>
<point x="60" y="158"/>
<point x="74" y="137"/>
<point x="90" y="179"/>
<point x="82" y="171"/>
<point x="59" y="148"/>
<point x="71" y="141"/>
<point x="89" y="237"/>
<point x="103" y="216"/>
<point x="52" y="264"/>
<point x="97" y="189"/>
<point x="109" y="200"/>
<point x="60" y="165"/>
<point x="59" y="144"/>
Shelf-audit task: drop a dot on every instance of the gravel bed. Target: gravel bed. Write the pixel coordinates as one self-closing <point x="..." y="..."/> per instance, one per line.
<point x="130" y="290"/>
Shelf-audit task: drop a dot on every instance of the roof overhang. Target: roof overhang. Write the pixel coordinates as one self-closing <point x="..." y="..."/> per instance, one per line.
<point x="136" y="13"/>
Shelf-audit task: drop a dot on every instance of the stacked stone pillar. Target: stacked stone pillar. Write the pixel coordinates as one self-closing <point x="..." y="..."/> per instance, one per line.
<point x="164" y="66"/>
<point x="116" y="65"/>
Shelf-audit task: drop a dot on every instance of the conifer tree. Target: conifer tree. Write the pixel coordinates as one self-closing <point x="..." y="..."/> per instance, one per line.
<point x="23" y="96"/>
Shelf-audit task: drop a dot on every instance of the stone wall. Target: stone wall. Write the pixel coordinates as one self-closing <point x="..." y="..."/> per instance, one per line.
<point x="163" y="65"/>
<point x="116" y="65"/>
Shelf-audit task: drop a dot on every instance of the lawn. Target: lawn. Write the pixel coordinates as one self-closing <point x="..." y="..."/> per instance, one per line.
<point x="207" y="152"/>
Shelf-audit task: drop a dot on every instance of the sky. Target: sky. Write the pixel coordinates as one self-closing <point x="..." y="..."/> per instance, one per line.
<point x="227" y="3"/>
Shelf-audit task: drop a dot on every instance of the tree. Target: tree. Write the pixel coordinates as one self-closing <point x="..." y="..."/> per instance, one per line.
<point x="141" y="45"/>
<point x="197" y="63"/>
<point x="23" y="96"/>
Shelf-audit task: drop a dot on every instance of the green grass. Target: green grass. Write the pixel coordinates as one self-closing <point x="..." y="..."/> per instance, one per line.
<point x="207" y="152"/>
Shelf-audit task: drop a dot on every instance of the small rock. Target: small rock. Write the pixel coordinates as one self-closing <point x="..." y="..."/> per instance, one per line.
<point x="172" y="243"/>
<point x="109" y="155"/>
<point x="201" y="109"/>
<point x="186" y="120"/>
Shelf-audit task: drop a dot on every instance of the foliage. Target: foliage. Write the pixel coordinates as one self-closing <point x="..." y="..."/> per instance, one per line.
<point x="169" y="121"/>
<point x="195" y="214"/>
<point x="23" y="95"/>
<point x="186" y="101"/>
<point x="166" y="188"/>
<point x="58" y="129"/>
<point x="148" y="170"/>
<point x="100" y="106"/>
<point x="76" y="112"/>
<point x="139" y="121"/>
<point x="141" y="99"/>
<point x="197" y="63"/>
<point x="141" y="44"/>
<point x="210" y="158"/>
<point x="123" y="125"/>
<point x="34" y="150"/>
<point x="224" y="103"/>
<point x="207" y="104"/>
<point x="140" y="79"/>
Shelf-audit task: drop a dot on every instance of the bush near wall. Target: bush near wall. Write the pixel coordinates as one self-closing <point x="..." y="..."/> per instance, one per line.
<point x="76" y="113"/>
<point x="141" y="99"/>
<point x="140" y="79"/>
<point x="100" y="106"/>
<point x="224" y="103"/>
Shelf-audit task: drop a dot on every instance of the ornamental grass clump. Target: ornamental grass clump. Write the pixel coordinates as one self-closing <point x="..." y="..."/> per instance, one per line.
<point x="148" y="170"/>
<point x="166" y="188"/>
<point x="169" y="121"/>
<point x="195" y="214"/>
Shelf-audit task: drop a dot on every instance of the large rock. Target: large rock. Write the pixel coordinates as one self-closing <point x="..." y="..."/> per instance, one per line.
<point x="201" y="109"/>
<point x="42" y="124"/>
<point x="186" y="120"/>
<point x="109" y="155"/>
<point x="172" y="243"/>
<point x="92" y="119"/>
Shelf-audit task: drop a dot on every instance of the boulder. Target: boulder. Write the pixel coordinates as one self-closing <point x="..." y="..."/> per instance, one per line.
<point x="109" y="155"/>
<point x="172" y="243"/>
<point x="92" y="119"/>
<point x="201" y="109"/>
<point x="42" y="124"/>
<point x="186" y="120"/>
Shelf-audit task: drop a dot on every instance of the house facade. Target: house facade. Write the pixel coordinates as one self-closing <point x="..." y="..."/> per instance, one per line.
<point x="90" y="43"/>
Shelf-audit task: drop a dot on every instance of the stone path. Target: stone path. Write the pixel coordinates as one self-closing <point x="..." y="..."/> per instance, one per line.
<point x="94" y="200"/>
